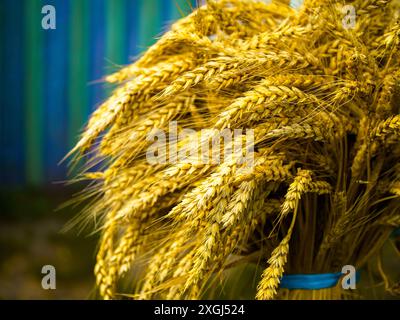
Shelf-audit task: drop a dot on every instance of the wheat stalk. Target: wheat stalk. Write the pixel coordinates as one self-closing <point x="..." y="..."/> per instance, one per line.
<point x="323" y="104"/>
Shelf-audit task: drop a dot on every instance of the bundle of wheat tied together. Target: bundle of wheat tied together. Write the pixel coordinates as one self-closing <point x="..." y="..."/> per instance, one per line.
<point x="317" y="100"/>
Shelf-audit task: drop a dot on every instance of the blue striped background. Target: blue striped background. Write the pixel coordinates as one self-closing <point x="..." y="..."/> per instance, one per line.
<point x="50" y="78"/>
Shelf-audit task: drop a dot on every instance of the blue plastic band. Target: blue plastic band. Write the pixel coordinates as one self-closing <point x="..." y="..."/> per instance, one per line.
<point x="311" y="281"/>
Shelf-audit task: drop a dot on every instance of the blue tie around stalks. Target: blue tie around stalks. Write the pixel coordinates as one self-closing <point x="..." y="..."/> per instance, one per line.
<point x="311" y="281"/>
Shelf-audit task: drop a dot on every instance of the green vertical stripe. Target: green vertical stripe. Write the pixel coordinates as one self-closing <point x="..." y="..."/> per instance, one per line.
<point x="150" y="22"/>
<point x="116" y="33"/>
<point x="34" y="116"/>
<point x="181" y="8"/>
<point x="78" y="68"/>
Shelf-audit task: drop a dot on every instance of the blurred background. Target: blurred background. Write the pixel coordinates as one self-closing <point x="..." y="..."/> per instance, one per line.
<point x="50" y="84"/>
<point x="51" y="79"/>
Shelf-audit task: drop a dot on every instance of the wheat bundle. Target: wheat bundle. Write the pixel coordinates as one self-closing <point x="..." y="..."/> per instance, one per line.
<point x="322" y="101"/>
